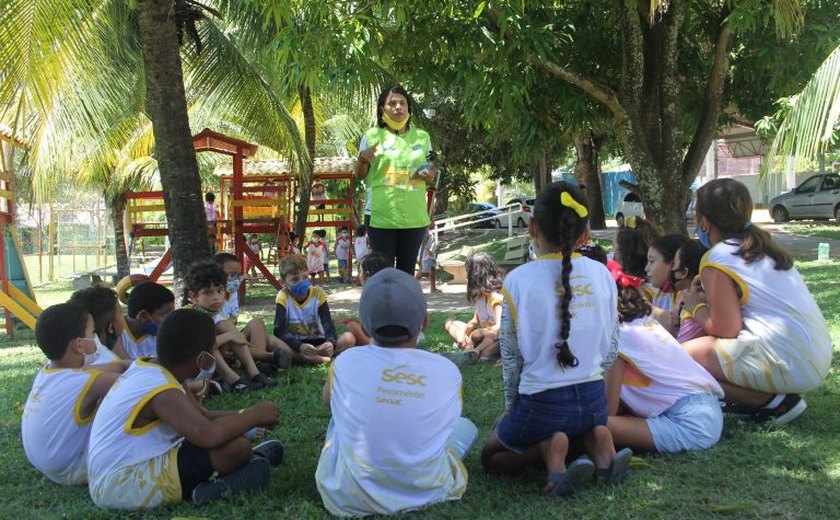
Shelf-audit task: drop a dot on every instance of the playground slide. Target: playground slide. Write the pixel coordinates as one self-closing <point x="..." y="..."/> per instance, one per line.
<point x="20" y="299"/>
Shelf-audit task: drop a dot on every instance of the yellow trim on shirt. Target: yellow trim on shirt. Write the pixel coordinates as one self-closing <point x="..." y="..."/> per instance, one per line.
<point x="132" y="337"/>
<point x="135" y="411"/>
<point x="557" y="256"/>
<point x="77" y="408"/>
<point x="645" y="383"/>
<point x="511" y="306"/>
<point x="745" y="292"/>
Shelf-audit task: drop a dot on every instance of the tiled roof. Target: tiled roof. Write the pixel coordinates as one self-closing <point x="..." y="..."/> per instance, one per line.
<point x="276" y="166"/>
<point x="7" y="134"/>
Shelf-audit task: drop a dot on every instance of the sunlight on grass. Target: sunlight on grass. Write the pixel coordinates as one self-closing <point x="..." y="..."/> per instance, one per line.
<point x="815" y="229"/>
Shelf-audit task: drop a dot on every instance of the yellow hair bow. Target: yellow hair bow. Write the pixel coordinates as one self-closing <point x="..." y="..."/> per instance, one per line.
<point x="570" y="202"/>
<point x="630" y="222"/>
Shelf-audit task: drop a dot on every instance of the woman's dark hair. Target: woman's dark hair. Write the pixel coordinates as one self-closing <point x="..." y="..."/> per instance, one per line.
<point x="184" y="334"/>
<point x="561" y="226"/>
<point x="57" y="326"/>
<point x="201" y="275"/>
<point x="209" y="196"/>
<point x="632" y="304"/>
<point x="483" y="276"/>
<point x="100" y="302"/>
<point x="374" y="262"/>
<point x="632" y="251"/>
<point x="727" y="205"/>
<point x="380" y="103"/>
<point x="691" y="253"/>
<point x="668" y="245"/>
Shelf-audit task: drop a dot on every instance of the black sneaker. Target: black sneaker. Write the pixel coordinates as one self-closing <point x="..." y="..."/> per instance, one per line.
<point x="282" y="359"/>
<point x="266" y="368"/>
<point x="260" y="381"/>
<point x="215" y="388"/>
<point x="738" y="408"/>
<point x="239" y="386"/>
<point x="791" y="407"/>
<point x="253" y="475"/>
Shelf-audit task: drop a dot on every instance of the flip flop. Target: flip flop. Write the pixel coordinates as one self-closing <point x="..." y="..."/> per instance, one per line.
<point x="272" y="451"/>
<point x="577" y="475"/>
<point x="618" y="470"/>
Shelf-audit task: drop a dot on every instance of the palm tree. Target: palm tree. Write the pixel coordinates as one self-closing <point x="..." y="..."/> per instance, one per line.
<point x="811" y="120"/>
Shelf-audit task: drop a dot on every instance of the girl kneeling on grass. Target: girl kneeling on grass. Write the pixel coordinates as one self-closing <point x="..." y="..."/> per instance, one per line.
<point x="659" y="398"/>
<point x="767" y="340"/>
<point x="481" y="333"/>
<point x="554" y="389"/>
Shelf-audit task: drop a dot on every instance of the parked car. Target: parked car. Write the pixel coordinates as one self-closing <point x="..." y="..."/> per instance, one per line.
<point x="629" y="206"/>
<point x="484" y="210"/>
<point x="817" y="197"/>
<point x="520" y="217"/>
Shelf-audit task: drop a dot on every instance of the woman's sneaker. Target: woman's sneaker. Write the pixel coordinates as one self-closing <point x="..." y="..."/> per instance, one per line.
<point x="782" y="409"/>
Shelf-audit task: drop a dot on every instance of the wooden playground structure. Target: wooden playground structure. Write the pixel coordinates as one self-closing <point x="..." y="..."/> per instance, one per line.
<point x="256" y="197"/>
<point x="16" y="295"/>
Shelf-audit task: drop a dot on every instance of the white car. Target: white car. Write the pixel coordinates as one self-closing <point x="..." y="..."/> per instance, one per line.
<point x="629" y="206"/>
<point x="520" y="217"/>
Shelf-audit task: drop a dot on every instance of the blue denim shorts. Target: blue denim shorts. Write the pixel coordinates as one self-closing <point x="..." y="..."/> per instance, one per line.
<point x="342" y="264"/>
<point x="573" y="410"/>
<point x="694" y="422"/>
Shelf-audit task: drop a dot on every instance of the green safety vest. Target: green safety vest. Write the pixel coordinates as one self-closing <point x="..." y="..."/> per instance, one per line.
<point x="397" y="200"/>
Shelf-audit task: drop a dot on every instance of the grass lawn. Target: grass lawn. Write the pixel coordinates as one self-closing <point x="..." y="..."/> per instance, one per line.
<point x="793" y="472"/>
<point x="815" y="229"/>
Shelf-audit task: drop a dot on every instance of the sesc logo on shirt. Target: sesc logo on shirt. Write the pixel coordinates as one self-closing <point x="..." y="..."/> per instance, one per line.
<point x="400" y="377"/>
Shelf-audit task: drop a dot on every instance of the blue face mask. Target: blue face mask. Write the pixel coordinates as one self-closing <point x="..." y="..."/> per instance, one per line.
<point x="233" y="284"/>
<point x="203" y="373"/>
<point x="149" y="327"/>
<point x="703" y="237"/>
<point x="300" y="290"/>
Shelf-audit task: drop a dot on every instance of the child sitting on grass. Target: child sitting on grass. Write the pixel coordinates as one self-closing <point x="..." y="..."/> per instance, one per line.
<point x="559" y="326"/>
<point x="767" y="340"/>
<point x="302" y="317"/>
<point x="371" y="264"/>
<point x="205" y="289"/>
<point x="481" y="333"/>
<point x="396" y="439"/>
<point x="148" y="304"/>
<point x="65" y="394"/>
<point x="659" y="398"/>
<point x="153" y="445"/>
<point x="686" y="267"/>
<point x="108" y="321"/>
<point x="269" y="352"/>
<point x="659" y="291"/>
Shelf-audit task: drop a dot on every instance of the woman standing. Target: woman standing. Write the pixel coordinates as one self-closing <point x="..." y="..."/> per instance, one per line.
<point x="395" y="156"/>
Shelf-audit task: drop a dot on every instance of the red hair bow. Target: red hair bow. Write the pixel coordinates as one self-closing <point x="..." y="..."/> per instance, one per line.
<point x="621" y="278"/>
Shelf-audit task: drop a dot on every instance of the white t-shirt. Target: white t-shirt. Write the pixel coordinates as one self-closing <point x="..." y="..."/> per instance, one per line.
<point x="532" y="294"/>
<point x="777" y="307"/>
<point x="231" y="307"/>
<point x="386" y="450"/>
<point x="342" y="248"/>
<point x="104" y="355"/>
<point x="144" y="346"/>
<point x="485" y="308"/>
<point x="55" y="436"/>
<point x="659" y="372"/>
<point x="115" y="443"/>
<point x="360" y="246"/>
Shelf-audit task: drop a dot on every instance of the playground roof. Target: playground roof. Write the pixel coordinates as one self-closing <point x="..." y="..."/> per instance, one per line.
<point x="7" y="134"/>
<point x="277" y="166"/>
<point x="209" y="141"/>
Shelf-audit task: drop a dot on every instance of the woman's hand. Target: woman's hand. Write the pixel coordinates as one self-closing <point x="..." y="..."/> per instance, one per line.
<point x="367" y="156"/>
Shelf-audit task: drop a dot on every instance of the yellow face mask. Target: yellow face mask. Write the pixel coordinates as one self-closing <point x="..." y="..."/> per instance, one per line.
<point x="393" y="125"/>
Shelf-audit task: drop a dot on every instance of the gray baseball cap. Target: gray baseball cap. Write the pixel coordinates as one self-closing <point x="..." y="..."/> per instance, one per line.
<point x="392" y="308"/>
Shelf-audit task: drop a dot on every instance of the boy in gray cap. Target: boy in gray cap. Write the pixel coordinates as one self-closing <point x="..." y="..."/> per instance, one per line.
<point x="396" y="439"/>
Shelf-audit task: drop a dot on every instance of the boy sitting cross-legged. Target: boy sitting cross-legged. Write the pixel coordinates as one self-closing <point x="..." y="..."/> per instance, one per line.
<point x="205" y="288"/>
<point x="57" y="416"/>
<point x="302" y="317"/>
<point x="152" y="444"/>
<point x="396" y="439"/>
<point x="148" y="304"/>
<point x="267" y="350"/>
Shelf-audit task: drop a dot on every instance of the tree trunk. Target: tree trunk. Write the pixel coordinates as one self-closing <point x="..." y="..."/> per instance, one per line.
<point x="542" y="171"/>
<point x="588" y="173"/>
<point x="117" y="207"/>
<point x="306" y="177"/>
<point x="167" y="106"/>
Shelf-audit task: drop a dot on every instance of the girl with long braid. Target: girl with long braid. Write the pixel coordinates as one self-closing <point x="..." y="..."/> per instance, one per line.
<point x="553" y="368"/>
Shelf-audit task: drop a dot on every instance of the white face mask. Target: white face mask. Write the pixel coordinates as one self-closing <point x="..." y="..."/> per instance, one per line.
<point x="233" y="284"/>
<point x="90" y="358"/>
<point x="203" y="373"/>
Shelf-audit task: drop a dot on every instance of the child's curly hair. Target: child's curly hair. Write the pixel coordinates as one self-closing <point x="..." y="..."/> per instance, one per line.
<point x="631" y="304"/>
<point x="201" y="275"/>
<point x="483" y="276"/>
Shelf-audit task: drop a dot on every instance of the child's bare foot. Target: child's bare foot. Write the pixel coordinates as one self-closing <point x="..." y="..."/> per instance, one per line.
<point x="554" y="452"/>
<point x="599" y="445"/>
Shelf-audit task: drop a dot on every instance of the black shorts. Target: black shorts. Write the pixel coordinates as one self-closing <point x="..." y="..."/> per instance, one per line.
<point x="194" y="467"/>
